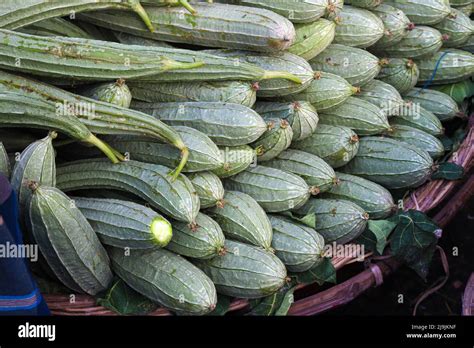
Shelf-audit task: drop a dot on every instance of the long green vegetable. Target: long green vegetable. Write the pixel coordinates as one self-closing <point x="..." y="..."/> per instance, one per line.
<point x="99" y="117"/>
<point x="15" y="14"/>
<point x="20" y="110"/>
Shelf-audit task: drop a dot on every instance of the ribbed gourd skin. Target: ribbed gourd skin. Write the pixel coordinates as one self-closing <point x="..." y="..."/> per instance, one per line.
<point x="373" y="198"/>
<point x="203" y="153"/>
<point x="297" y="11"/>
<point x="361" y="116"/>
<point x="313" y="38"/>
<point x="284" y="61"/>
<point x="204" y="242"/>
<point x="116" y="93"/>
<point x="4" y="161"/>
<point x="241" y="218"/>
<point x="418" y="138"/>
<point x="401" y="73"/>
<point x="315" y="171"/>
<point x="151" y="182"/>
<point x="390" y="163"/>
<point x="420" y="41"/>
<point x="439" y="103"/>
<point x="456" y="65"/>
<point x="458" y="28"/>
<point x="356" y="65"/>
<point x="245" y="271"/>
<point x="325" y="91"/>
<point x="67" y="242"/>
<point x="218" y="25"/>
<point x="121" y="223"/>
<point x="422" y="12"/>
<point x="37" y="163"/>
<point x="417" y="117"/>
<point x="275" y="140"/>
<point x="236" y="92"/>
<point x="225" y="123"/>
<point x="357" y="27"/>
<point x="301" y="115"/>
<point x="337" y="220"/>
<point x="160" y="274"/>
<point x="55" y="27"/>
<point x="335" y="145"/>
<point x="275" y="190"/>
<point x="236" y="159"/>
<point x="368" y="4"/>
<point x="298" y="246"/>
<point x="383" y="95"/>
<point x="396" y="25"/>
<point x="209" y="189"/>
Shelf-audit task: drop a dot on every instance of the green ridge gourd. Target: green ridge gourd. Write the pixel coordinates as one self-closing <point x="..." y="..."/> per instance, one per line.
<point x="423" y="12"/>
<point x="337" y="220"/>
<point x="373" y="198"/>
<point x="418" y="138"/>
<point x="216" y="25"/>
<point x="226" y="124"/>
<point x="358" y="27"/>
<point x="116" y="93"/>
<point x="369" y="4"/>
<point x="285" y="61"/>
<point x="125" y="224"/>
<point x="203" y="153"/>
<point x="37" y="163"/>
<point x="4" y="161"/>
<point x="361" y="116"/>
<point x="335" y="145"/>
<point x="390" y="163"/>
<point x="325" y="91"/>
<point x="456" y="65"/>
<point x="275" y="140"/>
<point x="383" y="95"/>
<point x="160" y="274"/>
<point x="298" y="246"/>
<point x="274" y="189"/>
<point x="236" y="159"/>
<point x="245" y="271"/>
<point x="55" y="27"/>
<point x="396" y="23"/>
<point x="355" y="65"/>
<point x="457" y="28"/>
<point x="150" y="182"/>
<point x="67" y="241"/>
<point x="204" y="242"/>
<point x="236" y="92"/>
<point x="241" y="218"/>
<point x="439" y="103"/>
<point x="401" y="73"/>
<point x="301" y="115"/>
<point x="312" y="169"/>
<point x="313" y="38"/>
<point x="420" y="41"/>
<point x="209" y="189"/>
<point x="415" y="116"/>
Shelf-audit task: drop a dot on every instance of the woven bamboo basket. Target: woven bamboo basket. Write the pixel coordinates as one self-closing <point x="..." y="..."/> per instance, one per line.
<point x="311" y="299"/>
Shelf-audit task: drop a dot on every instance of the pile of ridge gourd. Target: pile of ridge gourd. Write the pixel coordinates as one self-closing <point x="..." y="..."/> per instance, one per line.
<point x="218" y="120"/>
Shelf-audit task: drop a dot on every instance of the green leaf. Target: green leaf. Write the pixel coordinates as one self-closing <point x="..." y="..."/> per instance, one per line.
<point x="123" y="300"/>
<point x="447" y="142"/>
<point x="288" y="300"/>
<point x="222" y="307"/>
<point x="448" y="171"/>
<point x="323" y="272"/>
<point x="414" y="240"/>
<point x="376" y="235"/>
<point x="274" y="303"/>
<point x="308" y="220"/>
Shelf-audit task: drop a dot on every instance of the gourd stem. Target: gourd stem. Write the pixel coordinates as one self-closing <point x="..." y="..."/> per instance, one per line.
<point x="281" y="75"/>
<point x="170" y="64"/>
<point x="184" y="159"/>
<point x="92" y="139"/>
<point x="138" y="9"/>
<point x="187" y="6"/>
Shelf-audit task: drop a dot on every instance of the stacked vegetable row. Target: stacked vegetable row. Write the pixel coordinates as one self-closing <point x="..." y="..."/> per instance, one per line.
<point x="290" y="93"/>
